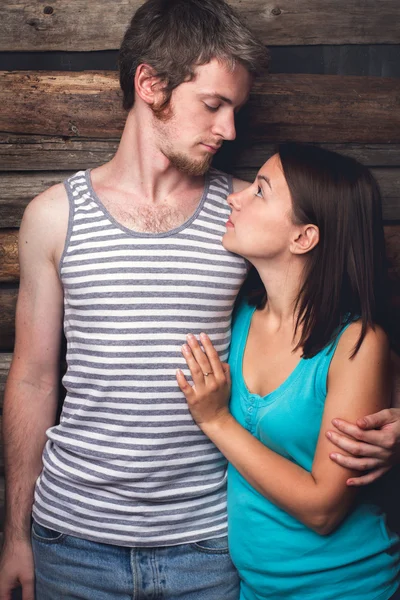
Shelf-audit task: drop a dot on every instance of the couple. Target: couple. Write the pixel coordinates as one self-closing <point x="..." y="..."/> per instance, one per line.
<point x="127" y="493"/>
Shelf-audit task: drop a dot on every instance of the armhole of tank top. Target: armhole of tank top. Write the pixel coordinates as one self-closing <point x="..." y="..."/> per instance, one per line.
<point x="71" y="205"/>
<point x="329" y="354"/>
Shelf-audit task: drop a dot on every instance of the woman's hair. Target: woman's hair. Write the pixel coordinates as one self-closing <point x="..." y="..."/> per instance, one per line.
<point x="345" y="274"/>
<point x="175" y="36"/>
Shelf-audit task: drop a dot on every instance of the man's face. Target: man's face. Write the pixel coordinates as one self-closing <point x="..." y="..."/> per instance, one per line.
<point x="200" y="116"/>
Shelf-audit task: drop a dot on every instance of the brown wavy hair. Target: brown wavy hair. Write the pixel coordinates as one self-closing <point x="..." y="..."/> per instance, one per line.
<point x="175" y="36"/>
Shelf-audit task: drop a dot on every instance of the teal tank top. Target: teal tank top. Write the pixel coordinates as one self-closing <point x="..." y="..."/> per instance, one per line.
<point x="276" y="555"/>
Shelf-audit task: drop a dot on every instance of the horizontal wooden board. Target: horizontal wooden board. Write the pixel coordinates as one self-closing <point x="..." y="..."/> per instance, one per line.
<point x="305" y="108"/>
<point x="28" y="25"/>
<point x="9" y="269"/>
<point x="8" y="296"/>
<point x="38" y="153"/>
<point x="8" y="302"/>
<point x="17" y="189"/>
<point x="5" y="362"/>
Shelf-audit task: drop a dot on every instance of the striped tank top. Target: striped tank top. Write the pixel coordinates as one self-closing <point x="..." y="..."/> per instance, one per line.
<point x="127" y="465"/>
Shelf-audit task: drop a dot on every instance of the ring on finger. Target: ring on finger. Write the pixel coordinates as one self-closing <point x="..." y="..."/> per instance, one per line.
<point x="207" y="374"/>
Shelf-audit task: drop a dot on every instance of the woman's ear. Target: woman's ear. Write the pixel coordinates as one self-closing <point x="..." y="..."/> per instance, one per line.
<point x="305" y="239"/>
<point x="148" y="85"/>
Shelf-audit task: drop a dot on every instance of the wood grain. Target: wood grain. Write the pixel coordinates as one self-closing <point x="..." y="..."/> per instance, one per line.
<point x="78" y="25"/>
<point x="45" y="153"/>
<point x="5" y="362"/>
<point x="9" y="269"/>
<point x="17" y="189"/>
<point x="8" y="302"/>
<point x="305" y="108"/>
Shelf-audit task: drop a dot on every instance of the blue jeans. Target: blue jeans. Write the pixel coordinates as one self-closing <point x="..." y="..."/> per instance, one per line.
<point x="70" y="568"/>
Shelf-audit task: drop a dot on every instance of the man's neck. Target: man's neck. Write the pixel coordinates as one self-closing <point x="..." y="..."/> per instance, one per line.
<point x="140" y="167"/>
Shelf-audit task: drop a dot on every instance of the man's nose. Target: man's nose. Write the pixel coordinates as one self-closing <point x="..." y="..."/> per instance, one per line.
<point x="225" y="126"/>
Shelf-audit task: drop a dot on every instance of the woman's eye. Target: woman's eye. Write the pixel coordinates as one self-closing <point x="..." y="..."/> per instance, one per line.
<point x="259" y="192"/>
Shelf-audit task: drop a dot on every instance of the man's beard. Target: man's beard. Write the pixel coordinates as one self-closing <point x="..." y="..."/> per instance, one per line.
<point x="180" y="161"/>
<point x="187" y="165"/>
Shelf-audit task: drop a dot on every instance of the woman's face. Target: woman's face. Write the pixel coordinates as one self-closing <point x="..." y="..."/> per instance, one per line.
<point x="260" y="226"/>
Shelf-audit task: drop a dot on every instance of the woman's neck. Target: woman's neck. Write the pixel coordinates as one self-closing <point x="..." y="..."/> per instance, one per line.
<point x="282" y="283"/>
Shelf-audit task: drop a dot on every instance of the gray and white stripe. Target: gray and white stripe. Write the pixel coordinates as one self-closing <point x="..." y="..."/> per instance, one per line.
<point x="127" y="465"/>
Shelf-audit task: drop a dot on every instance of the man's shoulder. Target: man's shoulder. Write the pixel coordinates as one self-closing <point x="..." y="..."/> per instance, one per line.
<point x="237" y="184"/>
<point x="45" y="220"/>
<point x="49" y="204"/>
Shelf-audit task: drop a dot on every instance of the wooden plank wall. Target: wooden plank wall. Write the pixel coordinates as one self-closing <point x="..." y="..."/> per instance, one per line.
<point x="53" y="123"/>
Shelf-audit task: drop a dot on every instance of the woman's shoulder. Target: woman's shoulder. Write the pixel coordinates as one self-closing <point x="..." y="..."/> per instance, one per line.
<point x="374" y="349"/>
<point x="375" y="339"/>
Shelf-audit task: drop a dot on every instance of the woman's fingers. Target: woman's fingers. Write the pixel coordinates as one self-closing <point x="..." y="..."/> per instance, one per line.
<point x="183" y="384"/>
<point x="195" y="370"/>
<point x="205" y="365"/>
<point x="213" y="357"/>
<point x="199" y="355"/>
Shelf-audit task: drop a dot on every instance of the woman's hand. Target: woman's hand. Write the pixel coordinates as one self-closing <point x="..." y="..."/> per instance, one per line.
<point x="208" y="398"/>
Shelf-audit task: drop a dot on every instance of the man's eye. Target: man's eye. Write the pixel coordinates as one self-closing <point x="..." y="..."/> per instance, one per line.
<point x="211" y="108"/>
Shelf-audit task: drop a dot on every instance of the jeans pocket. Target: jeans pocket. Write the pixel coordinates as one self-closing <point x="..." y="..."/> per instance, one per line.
<point x="46" y="535"/>
<point x="213" y="546"/>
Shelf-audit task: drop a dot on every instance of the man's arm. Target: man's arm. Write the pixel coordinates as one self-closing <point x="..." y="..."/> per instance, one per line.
<point x="372" y="444"/>
<point x="31" y="396"/>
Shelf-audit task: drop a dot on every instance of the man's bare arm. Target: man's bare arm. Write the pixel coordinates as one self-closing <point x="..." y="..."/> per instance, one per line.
<point x="30" y="402"/>
<point x="372" y="444"/>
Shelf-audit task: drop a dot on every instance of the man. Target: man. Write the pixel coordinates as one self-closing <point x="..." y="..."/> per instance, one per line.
<point x="131" y="498"/>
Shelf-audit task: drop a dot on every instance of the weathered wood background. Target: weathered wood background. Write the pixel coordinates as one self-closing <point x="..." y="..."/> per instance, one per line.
<point x="54" y="122"/>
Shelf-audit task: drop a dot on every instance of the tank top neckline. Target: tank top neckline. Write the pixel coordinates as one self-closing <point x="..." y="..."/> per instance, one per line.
<point x="138" y="234"/>
<point x="278" y="391"/>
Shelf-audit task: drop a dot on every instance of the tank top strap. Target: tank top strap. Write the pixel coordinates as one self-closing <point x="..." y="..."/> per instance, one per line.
<point x="221" y="180"/>
<point x="77" y="188"/>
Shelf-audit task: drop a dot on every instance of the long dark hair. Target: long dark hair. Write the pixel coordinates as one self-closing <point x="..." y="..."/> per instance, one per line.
<point x="346" y="273"/>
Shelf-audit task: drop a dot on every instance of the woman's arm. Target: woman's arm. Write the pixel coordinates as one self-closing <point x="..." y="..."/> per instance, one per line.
<point x="371" y="444"/>
<point x="357" y="386"/>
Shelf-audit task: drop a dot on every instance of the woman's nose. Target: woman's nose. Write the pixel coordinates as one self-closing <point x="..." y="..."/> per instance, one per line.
<point x="234" y="200"/>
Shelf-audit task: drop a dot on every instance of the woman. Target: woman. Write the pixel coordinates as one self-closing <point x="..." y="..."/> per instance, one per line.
<point x="310" y="346"/>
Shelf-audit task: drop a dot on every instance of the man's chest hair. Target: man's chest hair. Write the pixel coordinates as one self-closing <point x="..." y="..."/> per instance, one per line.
<point x="145" y="218"/>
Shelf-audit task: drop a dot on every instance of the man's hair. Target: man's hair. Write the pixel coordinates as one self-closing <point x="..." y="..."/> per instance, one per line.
<point x="175" y="36"/>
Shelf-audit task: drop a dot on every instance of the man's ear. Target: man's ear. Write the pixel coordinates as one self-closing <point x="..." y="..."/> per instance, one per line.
<point x="148" y="85"/>
<point x="305" y="239"/>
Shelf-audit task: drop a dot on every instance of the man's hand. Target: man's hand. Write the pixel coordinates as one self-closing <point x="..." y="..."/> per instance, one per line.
<point x="373" y="444"/>
<point x="17" y="569"/>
